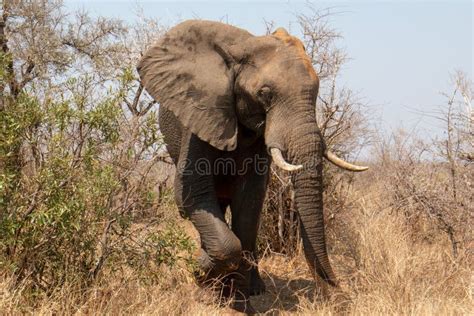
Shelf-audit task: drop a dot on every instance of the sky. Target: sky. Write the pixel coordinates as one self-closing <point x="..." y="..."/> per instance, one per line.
<point x="402" y="53"/>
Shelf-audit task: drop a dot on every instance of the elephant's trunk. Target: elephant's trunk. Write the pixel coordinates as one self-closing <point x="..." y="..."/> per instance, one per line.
<point x="305" y="147"/>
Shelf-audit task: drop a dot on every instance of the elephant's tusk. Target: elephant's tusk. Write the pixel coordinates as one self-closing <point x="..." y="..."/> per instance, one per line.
<point x="343" y="164"/>
<point x="280" y="161"/>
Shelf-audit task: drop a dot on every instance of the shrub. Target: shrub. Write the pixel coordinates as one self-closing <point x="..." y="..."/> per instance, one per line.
<point x="79" y="195"/>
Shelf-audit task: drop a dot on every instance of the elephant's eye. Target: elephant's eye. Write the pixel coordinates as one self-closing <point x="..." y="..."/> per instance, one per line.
<point x="265" y="94"/>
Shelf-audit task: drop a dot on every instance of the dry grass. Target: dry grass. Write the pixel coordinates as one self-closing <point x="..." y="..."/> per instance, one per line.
<point x="383" y="267"/>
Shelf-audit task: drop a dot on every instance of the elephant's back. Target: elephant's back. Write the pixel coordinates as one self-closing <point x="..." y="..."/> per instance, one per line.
<point x="172" y="132"/>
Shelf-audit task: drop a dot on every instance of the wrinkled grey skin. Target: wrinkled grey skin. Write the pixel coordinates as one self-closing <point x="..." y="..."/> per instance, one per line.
<point x="226" y="93"/>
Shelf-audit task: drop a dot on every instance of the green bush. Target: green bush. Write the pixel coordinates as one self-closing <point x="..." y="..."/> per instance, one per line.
<point x="82" y="192"/>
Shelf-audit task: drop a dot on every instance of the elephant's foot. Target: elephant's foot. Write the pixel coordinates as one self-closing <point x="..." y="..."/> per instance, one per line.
<point x="257" y="286"/>
<point x="211" y="272"/>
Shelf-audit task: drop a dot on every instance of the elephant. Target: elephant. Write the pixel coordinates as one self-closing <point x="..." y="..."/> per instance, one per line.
<point x="230" y="103"/>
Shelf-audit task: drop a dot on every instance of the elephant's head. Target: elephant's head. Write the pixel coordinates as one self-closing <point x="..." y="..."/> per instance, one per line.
<point x="218" y="79"/>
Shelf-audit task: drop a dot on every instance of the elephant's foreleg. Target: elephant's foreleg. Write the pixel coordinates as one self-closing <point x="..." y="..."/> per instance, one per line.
<point x="246" y="207"/>
<point x="221" y="250"/>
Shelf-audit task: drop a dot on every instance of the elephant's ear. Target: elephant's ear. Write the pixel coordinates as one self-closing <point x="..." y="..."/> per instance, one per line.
<point x="189" y="72"/>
